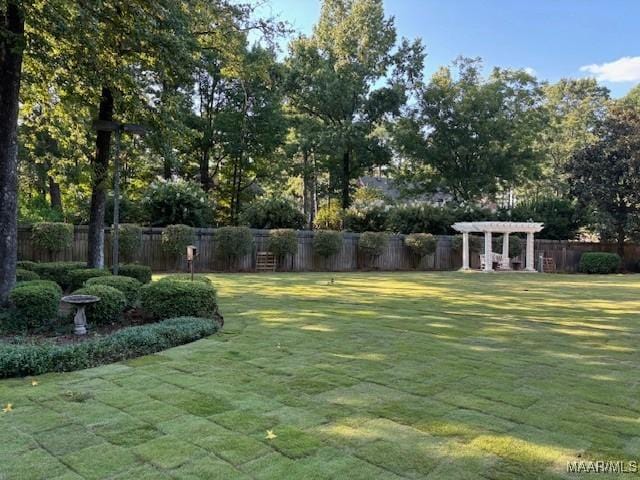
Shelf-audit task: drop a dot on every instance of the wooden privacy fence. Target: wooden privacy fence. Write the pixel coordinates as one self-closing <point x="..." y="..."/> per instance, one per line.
<point x="397" y="256"/>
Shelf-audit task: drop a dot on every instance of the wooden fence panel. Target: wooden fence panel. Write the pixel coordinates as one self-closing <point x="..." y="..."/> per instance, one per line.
<point x="397" y="256"/>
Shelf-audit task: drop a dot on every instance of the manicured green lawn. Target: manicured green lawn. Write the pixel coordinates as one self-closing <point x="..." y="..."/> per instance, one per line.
<point x="430" y="375"/>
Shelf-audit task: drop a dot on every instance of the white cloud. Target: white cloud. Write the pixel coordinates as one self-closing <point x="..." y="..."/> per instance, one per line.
<point x="625" y="69"/>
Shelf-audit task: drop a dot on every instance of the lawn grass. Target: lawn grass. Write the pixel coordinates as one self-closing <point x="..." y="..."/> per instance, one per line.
<point x="373" y="376"/>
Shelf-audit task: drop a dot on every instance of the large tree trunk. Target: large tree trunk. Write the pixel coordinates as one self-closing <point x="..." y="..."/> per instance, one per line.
<point x="205" y="178"/>
<point x="55" y="195"/>
<point x="620" y="234"/>
<point x="346" y="179"/>
<point x="11" y="47"/>
<point x="100" y="174"/>
<point x="307" y="191"/>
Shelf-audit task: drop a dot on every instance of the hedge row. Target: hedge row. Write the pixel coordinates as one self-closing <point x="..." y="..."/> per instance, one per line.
<point x="22" y="360"/>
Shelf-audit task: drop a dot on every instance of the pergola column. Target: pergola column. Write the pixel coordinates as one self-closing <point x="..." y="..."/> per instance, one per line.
<point x="488" y="252"/>
<point x="465" y="250"/>
<point x="530" y="254"/>
<point x="506" y="261"/>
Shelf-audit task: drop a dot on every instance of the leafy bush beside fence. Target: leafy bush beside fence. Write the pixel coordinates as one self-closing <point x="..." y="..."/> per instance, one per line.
<point x="599" y="262"/>
<point x="231" y="243"/>
<point x="52" y="237"/>
<point x="169" y="298"/>
<point x="59" y="272"/>
<point x="327" y="243"/>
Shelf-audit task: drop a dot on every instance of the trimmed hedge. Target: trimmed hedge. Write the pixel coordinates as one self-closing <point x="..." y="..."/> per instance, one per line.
<point x="171" y="298"/>
<point x="110" y="307"/>
<point x="176" y="238"/>
<point x="23" y="275"/>
<point x="34" y="303"/>
<point x="47" y="283"/>
<point x="373" y="243"/>
<point x="130" y="287"/>
<point x="26" y="265"/>
<point x="231" y="243"/>
<point x="421" y="244"/>
<point x="59" y="272"/>
<point x="52" y="236"/>
<point x="142" y="273"/>
<point x="599" y="262"/>
<point x="79" y="277"/>
<point x="129" y="240"/>
<point x="23" y="360"/>
<point x="186" y="277"/>
<point x="327" y="242"/>
<point x="283" y="242"/>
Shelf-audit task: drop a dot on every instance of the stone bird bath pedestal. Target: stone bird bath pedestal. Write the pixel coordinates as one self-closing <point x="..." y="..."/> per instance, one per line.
<point x="80" y="302"/>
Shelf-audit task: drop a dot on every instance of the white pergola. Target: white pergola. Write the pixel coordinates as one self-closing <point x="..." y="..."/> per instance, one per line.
<point x="505" y="228"/>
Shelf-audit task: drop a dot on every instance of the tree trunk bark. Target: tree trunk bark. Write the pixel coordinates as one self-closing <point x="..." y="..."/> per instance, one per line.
<point x="55" y="195"/>
<point x="11" y="48"/>
<point x="307" y="193"/>
<point x="205" y="179"/>
<point x="346" y="178"/>
<point x="100" y="174"/>
<point x="621" y="237"/>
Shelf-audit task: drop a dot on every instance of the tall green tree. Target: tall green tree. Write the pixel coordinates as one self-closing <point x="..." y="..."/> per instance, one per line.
<point x="474" y="136"/>
<point x="604" y="176"/>
<point x="335" y="76"/>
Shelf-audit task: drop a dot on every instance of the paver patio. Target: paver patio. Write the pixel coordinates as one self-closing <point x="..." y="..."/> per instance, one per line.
<point x="420" y="375"/>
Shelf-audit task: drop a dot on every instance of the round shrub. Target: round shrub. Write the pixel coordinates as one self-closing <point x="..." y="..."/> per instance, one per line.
<point x="110" y="307"/>
<point x="53" y="237"/>
<point x="476" y="243"/>
<point x="23" y="275"/>
<point x="421" y="244"/>
<point x="170" y="202"/>
<point x="515" y="245"/>
<point x="142" y="273"/>
<point x="329" y="217"/>
<point x="59" y="272"/>
<point x="26" y="265"/>
<point x="78" y="277"/>
<point x="172" y="298"/>
<point x="35" y="303"/>
<point x="127" y="285"/>
<point x="268" y="213"/>
<point x="599" y="262"/>
<point x="283" y="242"/>
<point x="45" y="283"/>
<point x="176" y="238"/>
<point x="231" y="243"/>
<point x="373" y="243"/>
<point x="327" y="243"/>
<point x="129" y="241"/>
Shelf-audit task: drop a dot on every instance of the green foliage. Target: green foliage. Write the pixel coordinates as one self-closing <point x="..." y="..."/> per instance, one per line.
<point x="110" y="307"/>
<point x="599" y="262"/>
<point x="79" y="277"/>
<point x="170" y="298"/>
<point x="53" y="237"/>
<point x="33" y="209"/>
<point x="35" y="303"/>
<point x="186" y="277"/>
<point x="59" y="272"/>
<point x="562" y="219"/>
<point x="142" y="273"/>
<point x="231" y="243"/>
<point x="44" y="283"/>
<point x="327" y="243"/>
<point x="367" y="217"/>
<point x="329" y="217"/>
<point x="373" y="243"/>
<point x="130" y="241"/>
<point x="176" y="238"/>
<point x="421" y="244"/>
<point x="283" y="242"/>
<point x="23" y="275"/>
<point x="169" y="202"/>
<point x="476" y="243"/>
<point x="34" y="359"/>
<point x="130" y="287"/>
<point x="420" y="217"/>
<point x="26" y="265"/>
<point x="272" y="213"/>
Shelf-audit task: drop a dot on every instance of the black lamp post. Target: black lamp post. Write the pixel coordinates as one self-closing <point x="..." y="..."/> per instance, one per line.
<point x="118" y="128"/>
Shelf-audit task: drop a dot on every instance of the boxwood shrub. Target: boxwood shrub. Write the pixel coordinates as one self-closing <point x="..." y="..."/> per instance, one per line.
<point x="78" y="277"/>
<point x="127" y="285"/>
<point x="373" y="243"/>
<point x="52" y="236"/>
<point x="23" y="275"/>
<point x="172" y="298"/>
<point x="110" y="307"/>
<point x="186" y="277"/>
<point x="26" y="265"/>
<point x="47" y="283"/>
<point x="34" y="303"/>
<point x="599" y="262"/>
<point x="142" y="273"/>
<point x="232" y="243"/>
<point x="34" y="359"/>
<point x="421" y="244"/>
<point x="327" y="243"/>
<point x="59" y="272"/>
<point x="283" y="242"/>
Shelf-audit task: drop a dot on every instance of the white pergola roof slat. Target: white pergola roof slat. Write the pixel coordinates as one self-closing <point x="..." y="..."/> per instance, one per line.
<point x="498" y="227"/>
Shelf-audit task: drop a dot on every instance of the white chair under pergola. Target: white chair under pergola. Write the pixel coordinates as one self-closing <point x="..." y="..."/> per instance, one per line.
<point x="504" y="228"/>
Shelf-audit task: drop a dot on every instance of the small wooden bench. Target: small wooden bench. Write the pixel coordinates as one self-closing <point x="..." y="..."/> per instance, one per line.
<point x="495" y="258"/>
<point x="265" y="262"/>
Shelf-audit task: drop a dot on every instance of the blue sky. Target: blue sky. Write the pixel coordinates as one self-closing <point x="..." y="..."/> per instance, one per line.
<point x="554" y="38"/>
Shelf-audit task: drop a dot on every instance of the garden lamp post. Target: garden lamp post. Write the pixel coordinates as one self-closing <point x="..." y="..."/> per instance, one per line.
<point x="118" y="128"/>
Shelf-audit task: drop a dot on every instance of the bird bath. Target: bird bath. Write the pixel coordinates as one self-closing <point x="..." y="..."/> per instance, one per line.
<point x="80" y="301"/>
